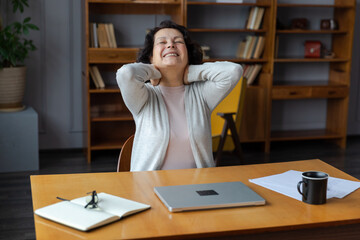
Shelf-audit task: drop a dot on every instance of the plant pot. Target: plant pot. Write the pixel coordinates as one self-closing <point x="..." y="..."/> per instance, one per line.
<point x="12" y="88"/>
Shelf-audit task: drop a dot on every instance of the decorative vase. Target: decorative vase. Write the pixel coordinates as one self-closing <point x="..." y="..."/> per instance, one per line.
<point x="12" y="88"/>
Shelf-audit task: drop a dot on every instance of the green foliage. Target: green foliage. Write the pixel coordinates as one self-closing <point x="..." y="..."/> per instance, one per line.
<point x="14" y="48"/>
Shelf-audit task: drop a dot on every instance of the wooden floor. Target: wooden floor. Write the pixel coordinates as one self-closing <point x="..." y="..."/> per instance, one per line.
<point x="16" y="215"/>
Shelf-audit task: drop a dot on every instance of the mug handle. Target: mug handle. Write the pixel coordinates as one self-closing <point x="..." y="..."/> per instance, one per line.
<point x="298" y="188"/>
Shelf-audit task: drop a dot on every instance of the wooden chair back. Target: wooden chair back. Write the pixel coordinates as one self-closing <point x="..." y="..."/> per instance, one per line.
<point x="125" y="155"/>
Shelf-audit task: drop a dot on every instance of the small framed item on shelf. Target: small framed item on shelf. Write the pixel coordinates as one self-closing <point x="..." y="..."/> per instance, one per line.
<point x="329" y="24"/>
<point x="313" y="49"/>
<point x="299" y="23"/>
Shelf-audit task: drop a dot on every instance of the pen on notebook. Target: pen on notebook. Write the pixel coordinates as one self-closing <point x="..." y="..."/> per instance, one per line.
<point x="62" y="199"/>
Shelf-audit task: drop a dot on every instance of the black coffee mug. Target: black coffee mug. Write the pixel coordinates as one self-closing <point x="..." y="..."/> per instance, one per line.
<point x="314" y="187"/>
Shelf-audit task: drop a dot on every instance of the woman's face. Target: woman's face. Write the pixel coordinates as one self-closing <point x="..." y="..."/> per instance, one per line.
<point x="169" y="49"/>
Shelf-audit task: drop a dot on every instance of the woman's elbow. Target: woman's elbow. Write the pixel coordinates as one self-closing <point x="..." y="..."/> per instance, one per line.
<point x="238" y="72"/>
<point x="124" y="73"/>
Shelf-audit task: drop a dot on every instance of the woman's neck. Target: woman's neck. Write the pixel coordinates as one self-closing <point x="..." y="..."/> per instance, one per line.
<point x="172" y="77"/>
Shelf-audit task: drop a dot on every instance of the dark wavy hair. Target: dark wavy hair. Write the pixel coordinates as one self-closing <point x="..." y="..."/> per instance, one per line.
<point x="194" y="50"/>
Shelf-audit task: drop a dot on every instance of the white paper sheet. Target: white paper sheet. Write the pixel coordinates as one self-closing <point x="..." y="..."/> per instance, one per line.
<point x="286" y="183"/>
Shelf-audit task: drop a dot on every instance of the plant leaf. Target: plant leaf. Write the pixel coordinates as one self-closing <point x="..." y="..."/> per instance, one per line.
<point x="25" y="2"/>
<point x="25" y="30"/>
<point x="14" y="49"/>
<point x="32" y="26"/>
<point x="19" y="4"/>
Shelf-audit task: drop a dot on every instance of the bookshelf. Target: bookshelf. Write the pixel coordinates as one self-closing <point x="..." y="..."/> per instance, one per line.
<point x="321" y="83"/>
<point x="328" y="88"/>
<point x="109" y="121"/>
<point x="273" y="93"/>
<point x="222" y="26"/>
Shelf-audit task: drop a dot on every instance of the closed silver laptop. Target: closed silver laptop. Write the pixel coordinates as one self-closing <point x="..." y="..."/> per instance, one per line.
<point x="207" y="196"/>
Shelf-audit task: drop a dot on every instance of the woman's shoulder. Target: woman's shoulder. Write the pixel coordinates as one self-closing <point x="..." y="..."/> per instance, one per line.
<point x="218" y="64"/>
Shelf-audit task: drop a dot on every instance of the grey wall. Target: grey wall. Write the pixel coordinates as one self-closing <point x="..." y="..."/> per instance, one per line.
<point x="55" y="76"/>
<point x="354" y="108"/>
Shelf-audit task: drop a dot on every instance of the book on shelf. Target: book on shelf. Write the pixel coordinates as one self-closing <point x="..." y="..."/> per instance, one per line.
<point x="247" y="70"/>
<point x="250" y="18"/>
<point x="96" y="77"/>
<point x="247" y="46"/>
<point x="93" y="78"/>
<point x="251" y="72"/>
<point x="256" y="41"/>
<point x="259" y="48"/>
<point x="108" y="34"/>
<point x="250" y="50"/>
<point x="93" y="35"/>
<point x="251" y="47"/>
<point x="110" y="28"/>
<point x="254" y="20"/>
<point x="74" y="214"/>
<point x="205" y="50"/>
<point x="102" y="35"/>
<point x="258" y="18"/>
<point x="241" y="49"/>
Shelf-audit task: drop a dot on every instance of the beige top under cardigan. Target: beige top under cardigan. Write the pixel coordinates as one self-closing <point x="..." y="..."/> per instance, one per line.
<point x="178" y="154"/>
<point x="210" y="83"/>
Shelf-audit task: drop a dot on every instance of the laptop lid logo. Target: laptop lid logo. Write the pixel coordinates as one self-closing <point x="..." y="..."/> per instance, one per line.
<point x="207" y="192"/>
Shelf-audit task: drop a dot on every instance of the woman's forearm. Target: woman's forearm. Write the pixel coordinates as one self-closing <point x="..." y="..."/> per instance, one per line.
<point x="220" y="78"/>
<point x="131" y="80"/>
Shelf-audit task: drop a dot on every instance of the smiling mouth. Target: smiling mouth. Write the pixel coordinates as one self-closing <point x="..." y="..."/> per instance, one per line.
<point x="171" y="55"/>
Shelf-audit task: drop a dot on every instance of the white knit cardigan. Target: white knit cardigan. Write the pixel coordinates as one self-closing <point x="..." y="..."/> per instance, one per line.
<point x="210" y="83"/>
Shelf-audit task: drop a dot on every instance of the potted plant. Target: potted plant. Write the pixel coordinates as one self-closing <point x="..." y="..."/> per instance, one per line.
<point x="14" y="49"/>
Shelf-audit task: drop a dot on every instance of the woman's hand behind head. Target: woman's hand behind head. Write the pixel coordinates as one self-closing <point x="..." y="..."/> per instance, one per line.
<point x="155" y="81"/>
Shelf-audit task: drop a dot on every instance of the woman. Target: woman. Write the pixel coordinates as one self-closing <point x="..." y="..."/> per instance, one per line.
<point x="172" y="111"/>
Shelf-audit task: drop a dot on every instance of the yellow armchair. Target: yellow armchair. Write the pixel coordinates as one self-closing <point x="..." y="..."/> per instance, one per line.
<point x="233" y="103"/>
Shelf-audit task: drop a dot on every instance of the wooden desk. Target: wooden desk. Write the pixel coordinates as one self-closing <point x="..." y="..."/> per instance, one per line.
<point x="281" y="218"/>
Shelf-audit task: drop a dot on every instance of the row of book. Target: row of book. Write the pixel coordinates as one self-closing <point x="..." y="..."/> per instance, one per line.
<point x="254" y="20"/>
<point x="102" y="35"/>
<point x="96" y="77"/>
<point x="251" y="47"/>
<point x="251" y="71"/>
